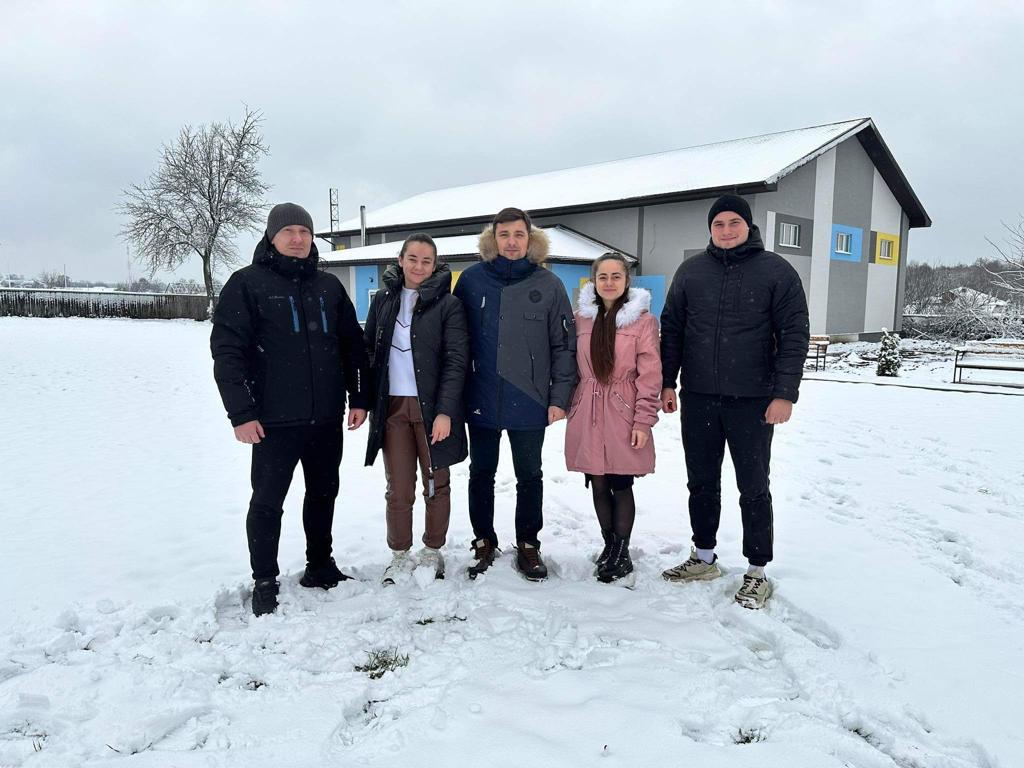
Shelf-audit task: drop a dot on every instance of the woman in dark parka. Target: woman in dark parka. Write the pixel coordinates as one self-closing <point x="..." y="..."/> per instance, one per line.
<point x="416" y="334"/>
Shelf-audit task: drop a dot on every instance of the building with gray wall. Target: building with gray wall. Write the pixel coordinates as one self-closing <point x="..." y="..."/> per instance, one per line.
<point x="831" y="199"/>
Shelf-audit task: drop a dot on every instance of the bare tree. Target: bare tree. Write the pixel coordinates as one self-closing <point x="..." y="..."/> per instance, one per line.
<point x="1009" y="275"/>
<point x="205" y="191"/>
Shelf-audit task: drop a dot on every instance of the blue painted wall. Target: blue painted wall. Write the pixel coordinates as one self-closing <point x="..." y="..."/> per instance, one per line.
<point x="856" y="244"/>
<point x="656" y="285"/>
<point x="571" y="275"/>
<point x="366" y="281"/>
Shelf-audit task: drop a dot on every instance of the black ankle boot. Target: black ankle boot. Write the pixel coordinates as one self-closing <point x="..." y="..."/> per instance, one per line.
<point x="618" y="565"/>
<point x="603" y="557"/>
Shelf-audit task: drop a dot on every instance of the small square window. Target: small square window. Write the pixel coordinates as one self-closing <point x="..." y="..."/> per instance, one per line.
<point x="789" y="235"/>
<point x="844" y="242"/>
<point x="885" y="250"/>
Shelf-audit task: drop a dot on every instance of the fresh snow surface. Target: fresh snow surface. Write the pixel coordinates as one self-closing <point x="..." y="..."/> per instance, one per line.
<point x="894" y="638"/>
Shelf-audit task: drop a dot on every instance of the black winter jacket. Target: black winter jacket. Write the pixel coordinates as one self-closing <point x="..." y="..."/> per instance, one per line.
<point x="286" y="344"/>
<point x="736" y="322"/>
<point x="440" y="349"/>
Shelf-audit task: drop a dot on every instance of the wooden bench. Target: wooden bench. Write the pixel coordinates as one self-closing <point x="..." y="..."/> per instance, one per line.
<point x="817" y="351"/>
<point x="989" y="356"/>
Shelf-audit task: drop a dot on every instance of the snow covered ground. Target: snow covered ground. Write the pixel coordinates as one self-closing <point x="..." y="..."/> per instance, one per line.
<point x="895" y="637"/>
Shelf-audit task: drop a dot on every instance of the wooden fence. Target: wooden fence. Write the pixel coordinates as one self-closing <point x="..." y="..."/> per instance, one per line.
<point x="58" y="302"/>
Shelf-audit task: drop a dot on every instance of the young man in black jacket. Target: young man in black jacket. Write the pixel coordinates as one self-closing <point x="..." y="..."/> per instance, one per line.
<point x="735" y="321"/>
<point x="286" y="347"/>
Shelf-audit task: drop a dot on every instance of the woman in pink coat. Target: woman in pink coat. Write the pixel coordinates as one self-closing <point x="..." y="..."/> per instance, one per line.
<point x="608" y="436"/>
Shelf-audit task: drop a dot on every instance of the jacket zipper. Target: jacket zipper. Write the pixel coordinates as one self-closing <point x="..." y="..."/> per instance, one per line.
<point x="309" y="357"/>
<point x="323" y="315"/>
<point x="718" y="321"/>
<point x="295" y="314"/>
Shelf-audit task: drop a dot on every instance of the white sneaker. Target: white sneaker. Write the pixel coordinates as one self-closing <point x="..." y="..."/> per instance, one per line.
<point x="755" y="592"/>
<point x="432" y="558"/>
<point x="693" y="569"/>
<point x="401" y="568"/>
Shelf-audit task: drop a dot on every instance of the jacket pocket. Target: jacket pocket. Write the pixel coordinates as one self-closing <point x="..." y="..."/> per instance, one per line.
<point x="622" y="407"/>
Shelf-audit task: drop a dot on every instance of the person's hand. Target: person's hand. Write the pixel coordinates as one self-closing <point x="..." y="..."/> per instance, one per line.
<point x="555" y="414"/>
<point x="356" y="417"/>
<point x="442" y="428"/>
<point x="778" y="412"/>
<point x="639" y="439"/>
<point x="668" y="400"/>
<point x="251" y="432"/>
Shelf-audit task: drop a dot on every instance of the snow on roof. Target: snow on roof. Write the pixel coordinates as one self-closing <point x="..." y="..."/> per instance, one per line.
<point x="566" y="246"/>
<point x="757" y="159"/>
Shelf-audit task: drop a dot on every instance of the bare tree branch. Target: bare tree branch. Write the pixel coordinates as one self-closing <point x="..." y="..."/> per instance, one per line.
<point x="206" y="189"/>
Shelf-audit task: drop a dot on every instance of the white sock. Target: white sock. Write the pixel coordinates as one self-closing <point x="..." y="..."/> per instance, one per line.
<point x="757" y="571"/>
<point x="707" y="555"/>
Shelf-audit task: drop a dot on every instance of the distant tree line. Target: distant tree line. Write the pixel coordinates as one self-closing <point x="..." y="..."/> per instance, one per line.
<point x="54" y="279"/>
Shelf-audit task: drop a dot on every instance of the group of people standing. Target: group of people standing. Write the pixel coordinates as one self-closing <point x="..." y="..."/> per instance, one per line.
<point x="504" y="352"/>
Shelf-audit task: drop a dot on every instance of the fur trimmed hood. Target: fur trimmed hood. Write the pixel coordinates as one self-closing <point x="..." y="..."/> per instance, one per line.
<point x="536" y="252"/>
<point x="638" y="303"/>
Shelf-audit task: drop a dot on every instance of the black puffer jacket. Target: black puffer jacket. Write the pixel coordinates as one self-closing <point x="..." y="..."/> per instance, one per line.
<point x="736" y="322"/>
<point x="440" y="349"/>
<point x="286" y="344"/>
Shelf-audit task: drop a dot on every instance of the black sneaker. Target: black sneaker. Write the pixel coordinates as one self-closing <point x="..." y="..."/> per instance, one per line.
<point x="324" y="576"/>
<point x="529" y="562"/>
<point x="483" y="557"/>
<point x="264" y="596"/>
<point x="618" y="566"/>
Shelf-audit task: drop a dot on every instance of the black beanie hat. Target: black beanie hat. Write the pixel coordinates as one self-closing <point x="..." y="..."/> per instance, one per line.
<point x="285" y="215"/>
<point x="732" y="203"/>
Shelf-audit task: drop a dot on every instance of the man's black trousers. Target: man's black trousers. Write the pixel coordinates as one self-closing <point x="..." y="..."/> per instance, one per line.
<point x="318" y="449"/>
<point x="483" y="463"/>
<point x="710" y="422"/>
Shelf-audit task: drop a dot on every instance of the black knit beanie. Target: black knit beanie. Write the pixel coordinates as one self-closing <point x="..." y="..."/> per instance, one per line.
<point x="734" y="204"/>
<point x="285" y="215"/>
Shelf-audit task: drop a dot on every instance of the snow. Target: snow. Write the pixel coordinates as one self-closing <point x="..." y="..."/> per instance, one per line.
<point x="710" y="166"/>
<point x="566" y="245"/>
<point x="894" y="637"/>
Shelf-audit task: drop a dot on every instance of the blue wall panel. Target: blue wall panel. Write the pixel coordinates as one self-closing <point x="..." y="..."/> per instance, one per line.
<point x="856" y="245"/>
<point x="366" y="281"/>
<point x="656" y="285"/>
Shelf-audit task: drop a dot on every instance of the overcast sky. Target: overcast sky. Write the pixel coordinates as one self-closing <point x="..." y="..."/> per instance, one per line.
<point x="384" y="100"/>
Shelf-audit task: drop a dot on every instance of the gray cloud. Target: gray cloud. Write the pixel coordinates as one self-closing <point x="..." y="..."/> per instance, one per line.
<point x="404" y="97"/>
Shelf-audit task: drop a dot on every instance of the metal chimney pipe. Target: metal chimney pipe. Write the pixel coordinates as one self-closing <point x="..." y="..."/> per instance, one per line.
<point x="362" y="225"/>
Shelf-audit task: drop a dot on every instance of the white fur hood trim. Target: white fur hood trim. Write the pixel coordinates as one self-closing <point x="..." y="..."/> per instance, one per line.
<point x="639" y="301"/>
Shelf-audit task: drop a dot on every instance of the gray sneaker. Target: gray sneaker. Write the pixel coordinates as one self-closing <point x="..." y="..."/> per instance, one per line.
<point x="694" y="569"/>
<point x="432" y="558"/>
<point x="754" y="593"/>
<point x="400" y="570"/>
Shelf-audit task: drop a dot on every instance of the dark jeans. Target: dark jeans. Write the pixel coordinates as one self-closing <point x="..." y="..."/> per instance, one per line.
<point x="709" y="423"/>
<point x="318" y="449"/>
<point x="483" y="463"/>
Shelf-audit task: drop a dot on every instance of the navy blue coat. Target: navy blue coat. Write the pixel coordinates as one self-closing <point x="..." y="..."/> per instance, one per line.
<point x="522" y="338"/>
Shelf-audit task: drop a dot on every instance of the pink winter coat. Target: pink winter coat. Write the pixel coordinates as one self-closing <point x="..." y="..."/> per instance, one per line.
<point x="603" y="416"/>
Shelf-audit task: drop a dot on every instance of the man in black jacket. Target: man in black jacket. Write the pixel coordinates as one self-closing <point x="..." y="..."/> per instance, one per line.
<point x="735" y="321"/>
<point x="286" y="346"/>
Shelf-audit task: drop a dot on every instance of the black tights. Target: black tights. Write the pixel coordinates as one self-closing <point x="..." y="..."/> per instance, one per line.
<point x="615" y="507"/>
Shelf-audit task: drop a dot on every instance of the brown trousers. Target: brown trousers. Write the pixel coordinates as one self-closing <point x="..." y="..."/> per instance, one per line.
<point x="406" y="445"/>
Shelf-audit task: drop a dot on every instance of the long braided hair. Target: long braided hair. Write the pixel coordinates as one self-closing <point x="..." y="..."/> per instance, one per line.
<point x="602" y="338"/>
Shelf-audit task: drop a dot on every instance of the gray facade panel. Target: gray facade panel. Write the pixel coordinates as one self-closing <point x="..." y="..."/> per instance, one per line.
<point x="901" y="278"/>
<point x="847" y="295"/>
<point x="854" y="186"/>
<point x="670" y="231"/>
<point x="794" y="196"/>
<point x="848" y="280"/>
<point x="806" y="235"/>
<point x="618" y="228"/>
